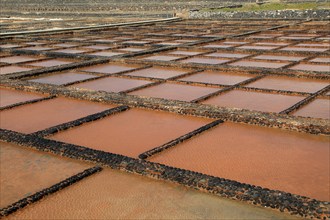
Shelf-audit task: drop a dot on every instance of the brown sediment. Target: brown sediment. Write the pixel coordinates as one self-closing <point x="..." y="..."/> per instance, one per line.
<point x="24" y="172"/>
<point x="319" y="108"/>
<point x="290" y="84"/>
<point x="278" y="57"/>
<point x="217" y="77"/>
<point x="311" y="67"/>
<point x="158" y="72"/>
<point x="307" y="49"/>
<point x="161" y="58"/>
<point x="145" y="129"/>
<point x="321" y="59"/>
<point x="18" y="59"/>
<point x="175" y="91"/>
<point x="258" y="101"/>
<point x="248" y="63"/>
<point x="271" y="158"/>
<point x="12" y="69"/>
<point x="205" y="60"/>
<point x="228" y="55"/>
<point x="10" y="97"/>
<point x="62" y="78"/>
<point x="112" y="84"/>
<point x="105" y="53"/>
<point x="109" y="68"/>
<point x="136" y="197"/>
<point x="49" y="63"/>
<point x="37" y="116"/>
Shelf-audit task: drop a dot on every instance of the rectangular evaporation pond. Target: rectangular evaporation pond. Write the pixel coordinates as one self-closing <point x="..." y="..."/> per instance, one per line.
<point x="305" y="49"/>
<point x="13" y="69"/>
<point x="132" y="49"/>
<point x="205" y="60"/>
<point x="321" y="60"/>
<point x="158" y="72"/>
<point x="254" y="47"/>
<point x="105" y="53"/>
<point x="71" y="51"/>
<point x="318" y="108"/>
<point x="61" y="78"/>
<point x="185" y="52"/>
<point x="290" y="84"/>
<point x="259" y="101"/>
<point x="227" y="55"/>
<point x="161" y="58"/>
<point x="18" y="59"/>
<point x="24" y="172"/>
<point x="38" y="116"/>
<point x="248" y="63"/>
<point x="96" y="47"/>
<point x="10" y="45"/>
<point x="272" y="158"/>
<point x="109" y="68"/>
<point x="137" y="197"/>
<point x="132" y="132"/>
<point x="50" y="63"/>
<point x="222" y="78"/>
<point x="278" y="57"/>
<point x="10" y="97"/>
<point x="311" y="67"/>
<point x="37" y="48"/>
<point x="217" y="46"/>
<point x="112" y="84"/>
<point x="175" y="91"/>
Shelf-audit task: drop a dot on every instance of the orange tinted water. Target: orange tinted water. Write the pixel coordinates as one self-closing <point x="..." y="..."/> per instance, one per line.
<point x="290" y="84"/>
<point x="131" y="132"/>
<point x="217" y="78"/>
<point x="108" y="68"/>
<point x="259" y="101"/>
<point x="49" y="63"/>
<point x="116" y="195"/>
<point x="37" y="116"/>
<point x="319" y="108"/>
<point x="24" y="172"/>
<point x="112" y="84"/>
<point x="10" y="96"/>
<point x="158" y="72"/>
<point x="175" y="91"/>
<point x="62" y="78"/>
<point x="12" y="69"/>
<point x="17" y="59"/>
<point x="272" y="158"/>
<point x="311" y="67"/>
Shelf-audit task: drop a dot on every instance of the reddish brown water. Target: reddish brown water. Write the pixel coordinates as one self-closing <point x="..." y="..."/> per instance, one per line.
<point x="205" y="60"/>
<point x="12" y="69"/>
<point x="276" y="57"/>
<point x="117" y="195"/>
<point x="161" y="58"/>
<point x="311" y="67"/>
<point x="321" y="60"/>
<point x="10" y="96"/>
<point x="312" y="45"/>
<point x="62" y="78"/>
<point x="109" y="68"/>
<point x="106" y="53"/>
<point x="37" y="116"/>
<point x="131" y="132"/>
<point x="319" y="108"/>
<point x="158" y="72"/>
<point x="259" y="64"/>
<point x="271" y="158"/>
<point x="175" y="91"/>
<point x="217" y="78"/>
<point x="259" y="101"/>
<point x="50" y="63"/>
<point x="24" y="172"/>
<point x="112" y="84"/>
<point x="290" y="84"/>
<point x="228" y="55"/>
<point x="18" y="59"/>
